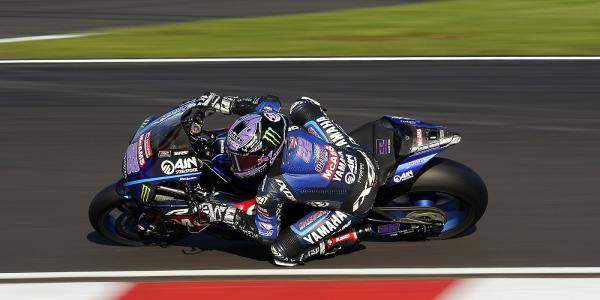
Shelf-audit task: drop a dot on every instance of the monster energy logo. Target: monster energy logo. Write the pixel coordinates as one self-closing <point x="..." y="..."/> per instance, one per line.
<point x="145" y="193"/>
<point x="272" y="137"/>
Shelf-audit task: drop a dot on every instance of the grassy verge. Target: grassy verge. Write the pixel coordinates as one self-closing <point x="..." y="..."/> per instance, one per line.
<point x="452" y="27"/>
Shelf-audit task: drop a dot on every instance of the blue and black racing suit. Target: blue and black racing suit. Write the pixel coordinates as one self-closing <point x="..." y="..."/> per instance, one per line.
<point x="320" y="166"/>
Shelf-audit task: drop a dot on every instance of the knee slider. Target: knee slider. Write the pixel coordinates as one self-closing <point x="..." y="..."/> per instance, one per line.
<point x="287" y="246"/>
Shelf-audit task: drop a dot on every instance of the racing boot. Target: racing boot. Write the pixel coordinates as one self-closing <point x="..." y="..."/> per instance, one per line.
<point x="328" y="246"/>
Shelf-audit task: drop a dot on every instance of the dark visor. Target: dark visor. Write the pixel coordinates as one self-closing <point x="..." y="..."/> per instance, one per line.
<point x="245" y="162"/>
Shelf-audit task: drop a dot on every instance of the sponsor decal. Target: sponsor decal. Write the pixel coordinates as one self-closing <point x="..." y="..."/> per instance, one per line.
<point x="341" y="168"/>
<point x="333" y="133"/>
<point x="405" y="120"/>
<point x="229" y="215"/>
<point x="405" y="176"/>
<point x="349" y="178"/>
<point x="348" y="166"/>
<point x="293" y="142"/>
<point x="313" y="252"/>
<point x="304" y="150"/>
<point x="263" y="212"/>
<point x="144" y="123"/>
<point x="321" y="157"/>
<point x="182" y="108"/>
<point x="332" y="163"/>
<point x="313" y="132"/>
<point x="284" y="189"/>
<point x="350" y="236"/>
<point x="186" y="217"/>
<point x="266" y="225"/>
<point x="181" y="166"/>
<point x="133" y="165"/>
<point x="419" y="137"/>
<point x="388" y="228"/>
<point x="216" y="211"/>
<point x="261" y="200"/>
<point x="147" y="145"/>
<point x="318" y="203"/>
<point x="310" y="219"/>
<point x="272" y="137"/>
<point x="361" y="172"/>
<point x="124" y="166"/>
<point x="333" y="224"/>
<point x="417" y="162"/>
<point x="181" y="153"/>
<point x="145" y="193"/>
<point x="383" y="146"/>
<point x="164" y="153"/>
<point x="140" y="151"/>
<point x="273" y="117"/>
<point x="191" y="178"/>
<point x="369" y="183"/>
<point x="263" y="232"/>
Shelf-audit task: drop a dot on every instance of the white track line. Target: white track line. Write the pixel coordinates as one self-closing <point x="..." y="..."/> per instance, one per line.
<point x="306" y="272"/>
<point x="43" y="37"/>
<point x="302" y="59"/>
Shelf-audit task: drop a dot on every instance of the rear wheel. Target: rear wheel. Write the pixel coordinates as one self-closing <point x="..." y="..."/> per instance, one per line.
<point x="449" y="186"/>
<point x="116" y="219"/>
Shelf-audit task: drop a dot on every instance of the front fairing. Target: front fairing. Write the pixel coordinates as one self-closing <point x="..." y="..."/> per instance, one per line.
<point x="161" y="151"/>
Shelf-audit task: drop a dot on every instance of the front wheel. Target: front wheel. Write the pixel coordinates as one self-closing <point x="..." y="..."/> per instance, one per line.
<point x="116" y="219"/>
<point x="449" y="186"/>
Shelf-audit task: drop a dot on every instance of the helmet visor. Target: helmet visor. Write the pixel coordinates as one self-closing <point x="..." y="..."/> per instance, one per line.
<point x="245" y="162"/>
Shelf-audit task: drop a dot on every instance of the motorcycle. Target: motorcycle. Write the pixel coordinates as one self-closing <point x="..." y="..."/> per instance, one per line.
<point x="166" y="174"/>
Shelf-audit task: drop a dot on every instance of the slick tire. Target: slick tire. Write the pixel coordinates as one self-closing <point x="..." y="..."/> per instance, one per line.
<point x="102" y="204"/>
<point x="453" y="178"/>
<point x="446" y="176"/>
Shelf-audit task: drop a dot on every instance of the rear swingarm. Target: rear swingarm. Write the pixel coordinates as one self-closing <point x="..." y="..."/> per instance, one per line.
<point x="416" y="222"/>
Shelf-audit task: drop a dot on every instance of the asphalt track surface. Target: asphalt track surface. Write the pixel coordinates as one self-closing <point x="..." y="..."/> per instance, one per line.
<point x="37" y="17"/>
<point x="531" y="129"/>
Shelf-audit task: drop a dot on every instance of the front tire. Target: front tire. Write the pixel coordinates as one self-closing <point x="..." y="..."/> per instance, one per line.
<point x="116" y="219"/>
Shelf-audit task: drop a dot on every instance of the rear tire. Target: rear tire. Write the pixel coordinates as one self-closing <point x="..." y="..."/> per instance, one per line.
<point x="447" y="177"/>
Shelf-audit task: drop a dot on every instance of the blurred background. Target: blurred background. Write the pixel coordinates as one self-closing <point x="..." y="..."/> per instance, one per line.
<point x="530" y="128"/>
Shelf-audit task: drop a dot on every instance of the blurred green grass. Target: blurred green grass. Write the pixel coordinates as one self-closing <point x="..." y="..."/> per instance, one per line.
<point x="452" y="27"/>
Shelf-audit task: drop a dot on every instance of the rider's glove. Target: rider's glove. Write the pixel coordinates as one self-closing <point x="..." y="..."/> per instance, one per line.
<point x="217" y="212"/>
<point x="212" y="101"/>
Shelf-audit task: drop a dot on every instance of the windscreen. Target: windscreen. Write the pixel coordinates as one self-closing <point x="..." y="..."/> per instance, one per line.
<point x="162" y="133"/>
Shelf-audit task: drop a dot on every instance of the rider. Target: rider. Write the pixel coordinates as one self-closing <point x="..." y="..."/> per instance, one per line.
<point x="312" y="162"/>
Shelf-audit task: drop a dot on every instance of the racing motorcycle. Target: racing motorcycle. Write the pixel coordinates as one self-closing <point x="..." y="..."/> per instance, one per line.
<point x="166" y="175"/>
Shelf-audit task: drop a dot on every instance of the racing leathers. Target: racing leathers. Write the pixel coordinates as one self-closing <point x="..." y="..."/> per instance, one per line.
<point x="320" y="166"/>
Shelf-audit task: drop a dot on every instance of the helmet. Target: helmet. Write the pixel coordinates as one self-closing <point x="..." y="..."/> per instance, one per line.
<point x="254" y="141"/>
